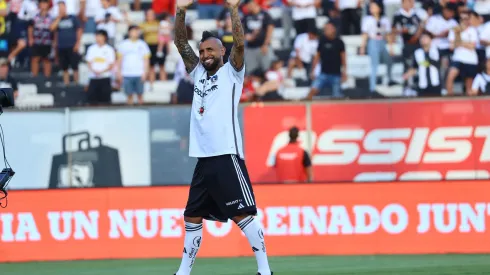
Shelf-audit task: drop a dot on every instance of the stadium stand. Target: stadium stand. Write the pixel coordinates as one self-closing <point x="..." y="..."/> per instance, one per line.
<point x="35" y="90"/>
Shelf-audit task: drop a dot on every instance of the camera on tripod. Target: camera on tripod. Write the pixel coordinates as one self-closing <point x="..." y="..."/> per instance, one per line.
<point x="6" y="100"/>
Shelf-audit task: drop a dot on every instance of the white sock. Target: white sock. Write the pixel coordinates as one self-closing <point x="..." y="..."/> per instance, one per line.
<point x="192" y="242"/>
<point x="255" y="235"/>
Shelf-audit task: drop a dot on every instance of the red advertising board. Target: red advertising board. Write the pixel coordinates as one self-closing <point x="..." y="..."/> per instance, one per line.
<point x="298" y="219"/>
<point x="409" y="140"/>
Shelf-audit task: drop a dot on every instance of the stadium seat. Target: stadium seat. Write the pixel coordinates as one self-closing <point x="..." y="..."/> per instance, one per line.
<point x="136" y="17"/>
<point x="296" y="93"/>
<point x="161" y="87"/>
<point x="352" y="40"/>
<point x="88" y="39"/>
<point x="118" y="98"/>
<point x="27" y="89"/>
<point x="321" y="21"/>
<point x="275" y="13"/>
<point x="35" y="101"/>
<point x="156" y="97"/>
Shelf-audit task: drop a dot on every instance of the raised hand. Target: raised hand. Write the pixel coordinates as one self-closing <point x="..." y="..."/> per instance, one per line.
<point x="233" y="3"/>
<point x="184" y="4"/>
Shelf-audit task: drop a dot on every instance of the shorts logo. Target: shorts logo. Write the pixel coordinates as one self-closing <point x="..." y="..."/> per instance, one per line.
<point x="197" y="241"/>
<point x="240" y="206"/>
<point x="261" y="234"/>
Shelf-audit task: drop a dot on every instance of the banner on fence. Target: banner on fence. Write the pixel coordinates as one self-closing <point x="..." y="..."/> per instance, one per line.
<point x="390" y="141"/>
<point x="316" y="219"/>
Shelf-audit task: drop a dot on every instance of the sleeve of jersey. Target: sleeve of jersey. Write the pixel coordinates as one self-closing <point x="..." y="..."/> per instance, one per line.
<point x="306" y="159"/>
<point x="197" y="72"/>
<point x="239" y="77"/>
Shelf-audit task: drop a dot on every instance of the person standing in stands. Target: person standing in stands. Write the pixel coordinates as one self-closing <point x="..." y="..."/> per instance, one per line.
<point x="481" y="84"/>
<point x="292" y="163"/>
<point x="463" y="39"/>
<point x="258" y="27"/>
<point x="439" y="25"/>
<point x="331" y="55"/>
<point x="68" y="33"/>
<point x="350" y="14"/>
<point x="133" y="64"/>
<point x="304" y="14"/>
<point x="409" y="26"/>
<point x="100" y="59"/>
<point x="376" y="30"/>
<point x="426" y="67"/>
<point x="150" y="29"/>
<point x="40" y="39"/>
<point x="107" y="18"/>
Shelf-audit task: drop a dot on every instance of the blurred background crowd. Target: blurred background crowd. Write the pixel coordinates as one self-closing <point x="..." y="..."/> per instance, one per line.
<point x="101" y="52"/>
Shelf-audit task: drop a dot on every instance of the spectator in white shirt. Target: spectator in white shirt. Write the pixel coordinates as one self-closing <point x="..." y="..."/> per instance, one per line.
<point x="485" y="38"/>
<point x="476" y="21"/>
<point x="304" y="14"/>
<point x="463" y="39"/>
<point x="305" y="46"/>
<point x="350" y="14"/>
<point x="107" y="18"/>
<point x="481" y="84"/>
<point x="100" y="59"/>
<point x="133" y="64"/>
<point x="376" y="30"/>
<point x="439" y="25"/>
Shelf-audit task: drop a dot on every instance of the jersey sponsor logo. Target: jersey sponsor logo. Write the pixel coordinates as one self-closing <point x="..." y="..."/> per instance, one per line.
<point x="199" y="92"/>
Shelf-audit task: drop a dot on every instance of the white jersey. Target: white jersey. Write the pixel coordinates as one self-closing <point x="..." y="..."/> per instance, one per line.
<point x="214" y="126"/>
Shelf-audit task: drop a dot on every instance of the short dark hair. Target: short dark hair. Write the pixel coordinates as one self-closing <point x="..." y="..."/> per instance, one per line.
<point x="293" y="133"/>
<point x="133" y="27"/>
<point x="208" y="35"/>
<point x="103" y="33"/>
<point x="428" y="34"/>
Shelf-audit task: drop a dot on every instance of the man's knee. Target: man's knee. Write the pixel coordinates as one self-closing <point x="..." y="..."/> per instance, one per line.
<point x="240" y="217"/>
<point x="196" y="220"/>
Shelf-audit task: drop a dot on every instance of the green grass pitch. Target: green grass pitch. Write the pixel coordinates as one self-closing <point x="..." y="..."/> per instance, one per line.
<point x="338" y="265"/>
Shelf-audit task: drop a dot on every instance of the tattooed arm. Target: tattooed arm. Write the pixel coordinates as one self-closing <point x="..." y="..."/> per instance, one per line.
<point x="188" y="55"/>
<point x="238" y="49"/>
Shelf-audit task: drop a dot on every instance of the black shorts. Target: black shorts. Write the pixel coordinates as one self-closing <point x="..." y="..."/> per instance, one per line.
<point x="42" y="51"/>
<point x="68" y="59"/>
<point x="99" y="91"/>
<point x="154" y="59"/>
<point x="220" y="189"/>
<point x="304" y="25"/>
<point x="465" y="70"/>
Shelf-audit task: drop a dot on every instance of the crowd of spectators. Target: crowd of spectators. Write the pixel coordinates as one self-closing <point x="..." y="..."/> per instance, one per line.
<point x="438" y="41"/>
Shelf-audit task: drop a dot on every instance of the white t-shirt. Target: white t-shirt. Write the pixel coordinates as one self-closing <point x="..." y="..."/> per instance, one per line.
<point x="480" y="82"/>
<point x="109" y="27"/>
<point x="92" y="7"/>
<point x="303" y="13"/>
<point x="133" y="55"/>
<point x="306" y="47"/>
<point x="72" y="7"/>
<point x="437" y="25"/>
<point x="28" y="10"/>
<point x="482" y="7"/>
<point x="373" y="29"/>
<point x="462" y="54"/>
<point x="348" y="4"/>
<point x="215" y="129"/>
<point x="485" y="36"/>
<point x="100" y="59"/>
